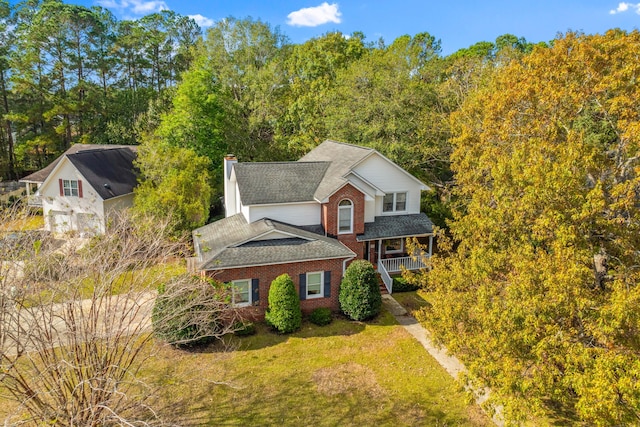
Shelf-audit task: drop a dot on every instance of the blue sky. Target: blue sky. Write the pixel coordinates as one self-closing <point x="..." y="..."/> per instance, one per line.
<point x="457" y="24"/>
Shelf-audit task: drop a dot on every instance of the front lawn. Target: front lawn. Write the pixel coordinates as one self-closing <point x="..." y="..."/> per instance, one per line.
<point x="347" y="373"/>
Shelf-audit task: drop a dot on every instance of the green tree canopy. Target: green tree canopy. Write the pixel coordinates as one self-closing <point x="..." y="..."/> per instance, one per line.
<point x="196" y="118"/>
<point x="174" y="183"/>
<point x="387" y="99"/>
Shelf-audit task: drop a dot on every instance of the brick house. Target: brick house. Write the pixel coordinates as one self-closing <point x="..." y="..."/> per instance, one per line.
<point x="309" y="218"/>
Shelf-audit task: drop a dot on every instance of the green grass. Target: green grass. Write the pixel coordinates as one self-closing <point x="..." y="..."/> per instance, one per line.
<point x="413" y="300"/>
<point x="27" y="223"/>
<point x="346" y="373"/>
<point x="138" y="280"/>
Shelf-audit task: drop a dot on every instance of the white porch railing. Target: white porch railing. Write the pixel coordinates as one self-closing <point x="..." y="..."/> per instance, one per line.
<point x="394" y="265"/>
<point x="386" y="279"/>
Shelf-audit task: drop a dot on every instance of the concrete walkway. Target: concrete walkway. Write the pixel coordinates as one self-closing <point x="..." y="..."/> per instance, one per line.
<point x="451" y="364"/>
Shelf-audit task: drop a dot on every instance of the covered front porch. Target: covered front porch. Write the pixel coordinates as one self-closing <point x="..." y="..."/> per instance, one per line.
<point x="385" y="244"/>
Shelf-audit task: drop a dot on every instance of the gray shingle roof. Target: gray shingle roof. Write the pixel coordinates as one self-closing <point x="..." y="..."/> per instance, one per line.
<point x="42" y="174"/>
<point x="343" y="158"/>
<point x="232" y="242"/>
<point x="279" y="182"/>
<point x="109" y="171"/>
<point x="385" y="227"/>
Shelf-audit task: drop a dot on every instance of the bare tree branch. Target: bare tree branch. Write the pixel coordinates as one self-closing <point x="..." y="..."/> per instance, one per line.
<point x="75" y="321"/>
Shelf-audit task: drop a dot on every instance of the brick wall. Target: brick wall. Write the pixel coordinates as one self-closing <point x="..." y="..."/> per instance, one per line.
<point x="330" y="217"/>
<point x="266" y="274"/>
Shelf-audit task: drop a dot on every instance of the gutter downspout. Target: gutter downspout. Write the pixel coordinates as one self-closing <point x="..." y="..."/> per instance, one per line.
<point x="344" y="264"/>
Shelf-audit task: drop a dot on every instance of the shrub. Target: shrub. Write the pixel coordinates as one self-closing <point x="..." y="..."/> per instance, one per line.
<point x="284" y="312"/>
<point x="400" y="284"/>
<point x="244" y="329"/>
<point x="191" y="312"/>
<point x="321" y="316"/>
<point x="359" y="296"/>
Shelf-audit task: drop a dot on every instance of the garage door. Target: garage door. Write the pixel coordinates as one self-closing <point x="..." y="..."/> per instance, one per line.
<point x="59" y="222"/>
<point x="88" y="223"/>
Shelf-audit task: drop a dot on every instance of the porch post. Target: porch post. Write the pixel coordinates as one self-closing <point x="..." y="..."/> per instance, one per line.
<point x="430" y="245"/>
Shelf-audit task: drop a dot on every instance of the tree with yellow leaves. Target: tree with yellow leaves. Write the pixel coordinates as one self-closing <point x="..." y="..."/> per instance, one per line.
<point x="539" y="291"/>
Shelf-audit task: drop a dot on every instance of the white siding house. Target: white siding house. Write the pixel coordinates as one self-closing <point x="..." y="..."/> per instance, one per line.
<point x="84" y="186"/>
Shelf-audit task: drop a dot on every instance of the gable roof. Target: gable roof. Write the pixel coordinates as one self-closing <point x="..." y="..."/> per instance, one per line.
<point x="315" y="177"/>
<point x="279" y="182"/>
<point x="232" y="242"/>
<point x="342" y="157"/>
<point x="110" y="172"/>
<point x="41" y="175"/>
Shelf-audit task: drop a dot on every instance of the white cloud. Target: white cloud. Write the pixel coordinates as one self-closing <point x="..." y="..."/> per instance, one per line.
<point x="137" y="7"/>
<point x="623" y="7"/>
<point x="107" y="3"/>
<point x="202" y="21"/>
<point x="314" y="16"/>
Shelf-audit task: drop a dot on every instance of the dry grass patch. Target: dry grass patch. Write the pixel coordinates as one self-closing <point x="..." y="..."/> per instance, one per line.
<point x="347" y="378"/>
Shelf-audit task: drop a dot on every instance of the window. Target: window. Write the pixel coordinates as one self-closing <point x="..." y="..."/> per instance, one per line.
<point x="241" y="293"/>
<point x="394" y="202"/>
<point x="393" y="246"/>
<point x="70" y="187"/>
<point x="345" y="217"/>
<point x="314" y="284"/>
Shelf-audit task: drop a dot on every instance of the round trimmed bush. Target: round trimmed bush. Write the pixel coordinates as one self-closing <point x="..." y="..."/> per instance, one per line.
<point x="321" y="316"/>
<point x="284" y="312"/>
<point x="359" y="296"/>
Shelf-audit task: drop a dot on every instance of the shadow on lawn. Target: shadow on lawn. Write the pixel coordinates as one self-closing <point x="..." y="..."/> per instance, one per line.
<point x="412" y="301"/>
<point x="267" y="337"/>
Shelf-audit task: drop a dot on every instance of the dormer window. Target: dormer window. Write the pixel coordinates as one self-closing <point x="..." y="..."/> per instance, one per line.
<point x="394" y="202"/>
<point x="345" y="217"/>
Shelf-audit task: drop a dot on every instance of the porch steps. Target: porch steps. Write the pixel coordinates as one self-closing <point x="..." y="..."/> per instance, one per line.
<point x="383" y="288"/>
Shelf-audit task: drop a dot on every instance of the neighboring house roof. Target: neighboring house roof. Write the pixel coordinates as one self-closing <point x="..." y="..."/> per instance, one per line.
<point x="110" y="172"/>
<point x="42" y="174"/>
<point x="232" y="242"/>
<point x="279" y="182"/>
<point x="385" y="227"/>
<point x="343" y="158"/>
